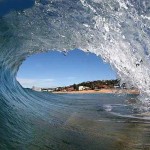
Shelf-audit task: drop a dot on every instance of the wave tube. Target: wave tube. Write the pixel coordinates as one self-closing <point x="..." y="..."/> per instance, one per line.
<point x="116" y="30"/>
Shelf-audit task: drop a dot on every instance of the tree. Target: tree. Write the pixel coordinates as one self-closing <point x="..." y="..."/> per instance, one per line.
<point x="75" y="87"/>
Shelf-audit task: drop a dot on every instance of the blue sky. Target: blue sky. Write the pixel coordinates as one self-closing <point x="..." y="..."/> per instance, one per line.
<point x="54" y="69"/>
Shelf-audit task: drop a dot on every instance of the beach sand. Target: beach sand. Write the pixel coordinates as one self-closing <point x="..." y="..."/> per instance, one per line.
<point x="117" y="91"/>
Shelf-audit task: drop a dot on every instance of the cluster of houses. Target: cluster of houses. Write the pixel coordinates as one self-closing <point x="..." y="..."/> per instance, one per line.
<point x="64" y="89"/>
<point x="73" y="88"/>
<point x="90" y="85"/>
<point x="43" y="89"/>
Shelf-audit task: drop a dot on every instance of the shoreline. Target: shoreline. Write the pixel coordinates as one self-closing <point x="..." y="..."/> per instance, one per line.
<point x="102" y="91"/>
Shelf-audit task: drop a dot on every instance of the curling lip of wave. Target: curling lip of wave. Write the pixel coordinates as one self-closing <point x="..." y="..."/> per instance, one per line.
<point x="117" y="30"/>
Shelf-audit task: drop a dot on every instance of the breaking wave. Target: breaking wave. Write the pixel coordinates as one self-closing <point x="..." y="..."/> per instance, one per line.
<point x="116" y="30"/>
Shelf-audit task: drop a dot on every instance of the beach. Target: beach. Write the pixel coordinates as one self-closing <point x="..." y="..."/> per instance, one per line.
<point x="111" y="91"/>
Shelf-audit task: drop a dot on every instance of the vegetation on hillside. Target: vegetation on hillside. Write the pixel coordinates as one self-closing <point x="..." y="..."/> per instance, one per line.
<point x="99" y="84"/>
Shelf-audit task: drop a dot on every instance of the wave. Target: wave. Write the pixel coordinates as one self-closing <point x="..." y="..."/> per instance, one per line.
<point x="116" y="30"/>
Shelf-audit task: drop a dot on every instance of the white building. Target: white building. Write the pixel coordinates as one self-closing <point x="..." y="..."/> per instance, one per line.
<point x="36" y="89"/>
<point x="116" y="86"/>
<point x="81" y="88"/>
<point x="47" y="89"/>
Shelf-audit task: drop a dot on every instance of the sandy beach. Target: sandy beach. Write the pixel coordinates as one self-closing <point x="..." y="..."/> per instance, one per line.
<point x="117" y="91"/>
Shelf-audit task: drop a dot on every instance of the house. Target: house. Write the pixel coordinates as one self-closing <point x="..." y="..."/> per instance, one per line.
<point x="116" y="86"/>
<point x="47" y="89"/>
<point x="81" y="88"/>
<point x="36" y="89"/>
<point x="70" y="89"/>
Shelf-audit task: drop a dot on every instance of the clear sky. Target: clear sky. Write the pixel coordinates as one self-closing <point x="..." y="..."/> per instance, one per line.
<point x="53" y="69"/>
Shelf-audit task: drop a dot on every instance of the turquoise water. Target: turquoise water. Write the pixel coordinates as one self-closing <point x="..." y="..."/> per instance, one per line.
<point x="75" y="122"/>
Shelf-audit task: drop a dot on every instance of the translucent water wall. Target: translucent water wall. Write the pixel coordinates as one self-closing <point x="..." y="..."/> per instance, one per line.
<point x="117" y="30"/>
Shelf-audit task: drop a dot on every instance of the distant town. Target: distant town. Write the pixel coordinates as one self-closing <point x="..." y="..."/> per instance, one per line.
<point x="86" y="86"/>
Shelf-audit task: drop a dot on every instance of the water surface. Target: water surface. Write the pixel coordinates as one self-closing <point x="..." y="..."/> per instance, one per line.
<point x="77" y="122"/>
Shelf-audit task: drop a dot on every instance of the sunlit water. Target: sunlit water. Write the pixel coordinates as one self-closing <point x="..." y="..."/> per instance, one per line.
<point x="75" y="122"/>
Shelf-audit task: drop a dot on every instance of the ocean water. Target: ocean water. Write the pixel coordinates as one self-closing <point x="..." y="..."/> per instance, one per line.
<point x="75" y="122"/>
<point x="116" y="30"/>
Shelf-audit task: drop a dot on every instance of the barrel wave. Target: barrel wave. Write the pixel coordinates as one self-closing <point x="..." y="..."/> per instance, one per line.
<point x="116" y="30"/>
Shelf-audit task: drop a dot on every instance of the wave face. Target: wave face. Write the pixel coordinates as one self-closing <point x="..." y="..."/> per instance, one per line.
<point x="116" y="30"/>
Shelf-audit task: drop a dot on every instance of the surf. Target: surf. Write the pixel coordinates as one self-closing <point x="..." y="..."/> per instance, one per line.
<point x="116" y="30"/>
<point x="119" y="35"/>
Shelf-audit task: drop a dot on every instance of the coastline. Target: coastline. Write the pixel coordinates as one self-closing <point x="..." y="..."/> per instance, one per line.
<point x="102" y="91"/>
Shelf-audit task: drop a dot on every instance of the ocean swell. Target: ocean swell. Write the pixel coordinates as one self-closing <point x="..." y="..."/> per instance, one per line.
<point x="116" y="30"/>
